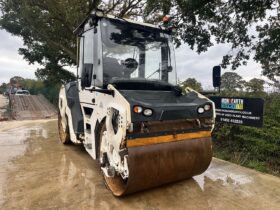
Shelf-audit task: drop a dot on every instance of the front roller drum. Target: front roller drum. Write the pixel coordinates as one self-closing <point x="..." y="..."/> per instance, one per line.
<point x="154" y="165"/>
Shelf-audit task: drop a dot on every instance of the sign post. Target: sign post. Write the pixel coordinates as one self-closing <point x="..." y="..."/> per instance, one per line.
<point x="239" y="110"/>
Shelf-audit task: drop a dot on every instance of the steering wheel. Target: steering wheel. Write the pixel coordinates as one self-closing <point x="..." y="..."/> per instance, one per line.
<point x="130" y="64"/>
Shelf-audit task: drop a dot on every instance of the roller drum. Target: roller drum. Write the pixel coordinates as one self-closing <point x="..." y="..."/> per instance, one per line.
<point x="154" y="165"/>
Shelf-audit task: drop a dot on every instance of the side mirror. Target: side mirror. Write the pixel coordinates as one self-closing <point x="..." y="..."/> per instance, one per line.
<point x="216" y="76"/>
<point x="86" y="75"/>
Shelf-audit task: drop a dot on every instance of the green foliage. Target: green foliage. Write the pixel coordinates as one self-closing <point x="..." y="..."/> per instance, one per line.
<point x="54" y="74"/>
<point x="35" y="87"/>
<point x="192" y="83"/>
<point x="255" y="86"/>
<point x="231" y="81"/>
<point x="257" y="165"/>
<point x="51" y="93"/>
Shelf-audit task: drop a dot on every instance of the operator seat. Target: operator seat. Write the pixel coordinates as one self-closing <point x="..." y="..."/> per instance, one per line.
<point x="112" y="69"/>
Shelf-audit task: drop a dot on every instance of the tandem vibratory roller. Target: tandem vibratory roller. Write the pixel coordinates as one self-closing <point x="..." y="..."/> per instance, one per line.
<point x="127" y="109"/>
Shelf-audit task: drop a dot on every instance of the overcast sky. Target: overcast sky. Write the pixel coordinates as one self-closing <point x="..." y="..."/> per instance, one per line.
<point x="189" y="63"/>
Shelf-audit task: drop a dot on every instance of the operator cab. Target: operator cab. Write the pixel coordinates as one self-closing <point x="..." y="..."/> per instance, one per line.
<point x="133" y="51"/>
<point x="117" y="51"/>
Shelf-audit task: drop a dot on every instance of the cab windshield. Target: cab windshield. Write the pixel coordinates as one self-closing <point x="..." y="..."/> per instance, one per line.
<point x="132" y="51"/>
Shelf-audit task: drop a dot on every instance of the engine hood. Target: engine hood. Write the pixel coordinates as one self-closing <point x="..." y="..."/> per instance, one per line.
<point x="166" y="104"/>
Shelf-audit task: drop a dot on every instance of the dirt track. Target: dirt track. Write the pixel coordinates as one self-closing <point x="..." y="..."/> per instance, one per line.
<point x="31" y="107"/>
<point x="37" y="172"/>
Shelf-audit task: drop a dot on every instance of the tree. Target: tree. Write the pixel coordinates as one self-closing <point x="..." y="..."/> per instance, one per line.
<point x="251" y="27"/>
<point x="231" y="81"/>
<point x="34" y="86"/>
<point x="16" y="81"/>
<point x="255" y="85"/>
<point x="3" y="87"/>
<point x="46" y="27"/>
<point x="276" y="85"/>
<point x="192" y="83"/>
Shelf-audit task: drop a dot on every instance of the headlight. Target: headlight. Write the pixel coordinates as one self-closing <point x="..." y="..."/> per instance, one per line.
<point x="200" y="110"/>
<point x="207" y="107"/>
<point x="148" y="112"/>
<point x="138" y="109"/>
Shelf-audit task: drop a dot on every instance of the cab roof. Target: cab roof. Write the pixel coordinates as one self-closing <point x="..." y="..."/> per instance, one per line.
<point x="98" y="14"/>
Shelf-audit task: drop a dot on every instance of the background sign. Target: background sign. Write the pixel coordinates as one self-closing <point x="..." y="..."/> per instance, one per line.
<point x="240" y="111"/>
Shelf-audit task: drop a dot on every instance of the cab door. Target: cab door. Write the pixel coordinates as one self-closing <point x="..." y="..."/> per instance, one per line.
<point x="87" y="71"/>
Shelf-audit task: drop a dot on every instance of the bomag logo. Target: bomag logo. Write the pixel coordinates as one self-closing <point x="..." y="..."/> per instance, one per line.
<point x="232" y="103"/>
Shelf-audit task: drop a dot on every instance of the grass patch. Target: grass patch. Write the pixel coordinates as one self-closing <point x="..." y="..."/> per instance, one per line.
<point x="257" y="165"/>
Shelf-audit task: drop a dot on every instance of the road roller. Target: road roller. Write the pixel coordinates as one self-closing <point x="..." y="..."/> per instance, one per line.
<point x="127" y="109"/>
